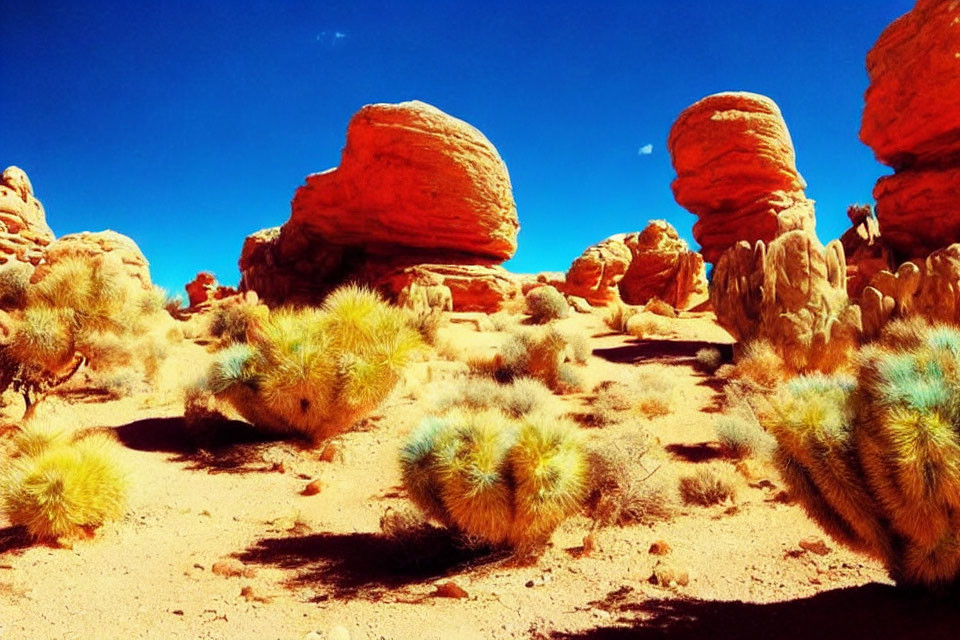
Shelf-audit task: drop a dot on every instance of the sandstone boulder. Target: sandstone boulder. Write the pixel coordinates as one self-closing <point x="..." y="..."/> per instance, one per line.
<point x="471" y="287"/>
<point x="791" y="294"/>
<point x="205" y="288"/>
<point x="663" y="266"/>
<point x="736" y="171"/>
<point x="912" y="123"/>
<point x="24" y="233"/>
<point x="108" y="244"/>
<point x="596" y="273"/>
<point x="864" y="250"/>
<point x="414" y="186"/>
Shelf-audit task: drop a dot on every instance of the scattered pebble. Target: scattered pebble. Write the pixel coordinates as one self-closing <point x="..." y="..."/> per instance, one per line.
<point x="669" y="576"/>
<point x="232" y="568"/>
<point x="449" y="589"/>
<point x="815" y="545"/>
<point x="252" y="596"/>
<point x="660" y="548"/>
<point x="312" y="488"/>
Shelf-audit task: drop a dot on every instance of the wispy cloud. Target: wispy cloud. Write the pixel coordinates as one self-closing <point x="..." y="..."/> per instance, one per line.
<point x="331" y="38"/>
<point x="645" y="150"/>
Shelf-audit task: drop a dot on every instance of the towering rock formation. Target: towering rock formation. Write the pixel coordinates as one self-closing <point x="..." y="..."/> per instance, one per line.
<point x="911" y="120"/>
<point x="415" y="186"/>
<point x="736" y="171"/>
<point x="864" y="249"/>
<point x="24" y="233"/>
<point x="108" y="244"/>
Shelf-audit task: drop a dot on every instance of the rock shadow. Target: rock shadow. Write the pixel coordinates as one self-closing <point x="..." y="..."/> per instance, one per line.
<point x="368" y="565"/>
<point x="218" y="446"/>
<point x="699" y="452"/>
<point x="869" y="612"/>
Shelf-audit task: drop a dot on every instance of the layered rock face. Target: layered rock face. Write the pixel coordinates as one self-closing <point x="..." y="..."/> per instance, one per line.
<point x="204" y="289"/>
<point x="595" y="274"/>
<point x="24" y="233"/>
<point x="864" y="249"/>
<point x="736" y="171"/>
<point x="663" y="266"/>
<point x="912" y="122"/>
<point x="108" y="244"/>
<point x="415" y="186"/>
<point x="791" y="293"/>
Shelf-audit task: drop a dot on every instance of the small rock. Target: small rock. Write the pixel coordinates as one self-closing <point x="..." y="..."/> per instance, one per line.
<point x="313" y="635"/>
<point x="449" y="589"/>
<point x="815" y="545"/>
<point x="580" y="305"/>
<point x="338" y="633"/>
<point x="329" y="453"/>
<point x="589" y="544"/>
<point x="252" y="596"/>
<point x="312" y="488"/>
<point x="660" y="548"/>
<point x="669" y="576"/>
<point x="177" y="612"/>
<point x="232" y="568"/>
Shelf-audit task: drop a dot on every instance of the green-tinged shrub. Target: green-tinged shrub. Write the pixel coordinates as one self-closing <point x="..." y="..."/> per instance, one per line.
<point x="709" y="358"/>
<point x="545" y="304"/>
<point x="57" y="487"/>
<point x="231" y="321"/>
<point x="499" y="481"/>
<point x="316" y="372"/>
<point x="741" y="435"/>
<point x="876" y="460"/>
<point x="516" y="398"/>
<point x="539" y="353"/>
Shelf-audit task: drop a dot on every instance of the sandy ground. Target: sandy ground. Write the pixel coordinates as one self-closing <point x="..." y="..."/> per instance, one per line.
<point x="218" y="541"/>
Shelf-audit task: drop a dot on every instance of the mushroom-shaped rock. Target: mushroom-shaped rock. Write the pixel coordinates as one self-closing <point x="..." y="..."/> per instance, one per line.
<point x="737" y="172"/>
<point x="23" y="225"/>
<point x="663" y="266"/>
<point x="791" y="294"/>
<point x="414" y="186"/>
<point x="912" y="122"/>
<point x="596" y="273"/>
<point x="108" y="244"/>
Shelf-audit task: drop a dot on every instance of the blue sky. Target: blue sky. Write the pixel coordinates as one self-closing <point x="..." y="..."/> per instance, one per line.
<point x="189" y="125"/>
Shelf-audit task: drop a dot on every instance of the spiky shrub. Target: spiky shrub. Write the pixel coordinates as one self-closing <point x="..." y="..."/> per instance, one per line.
<point x="497" y="480"/>
<point x="545" y="304"/>
<point x="709" y="359"/>
<point x="516" y="398"/>
<point x="708" y="486"/>
<point x="316" y="372"/>
<point x="542" y="353"/>
<point x="231" y="321"/>
<point x="14" y="281"/>
<point x="622" y="490"/>
<point x="58" y="487"/>
<point x="741" y="436"/>
<point x="876" y="460"/>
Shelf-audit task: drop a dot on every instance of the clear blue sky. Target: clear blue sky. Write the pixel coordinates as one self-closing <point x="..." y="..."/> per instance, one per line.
<point x="189" y="125"/>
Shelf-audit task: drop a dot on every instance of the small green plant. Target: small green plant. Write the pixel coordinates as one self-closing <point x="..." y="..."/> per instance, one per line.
<point x="741" y="435"/>
<point x="316" y="372"/>
<point x="545" y="303"/>
<point x="874" y="460"/>
<point x="497" y="480"/>
<point x="58" y="487"/>
<point x="708" y="486"/>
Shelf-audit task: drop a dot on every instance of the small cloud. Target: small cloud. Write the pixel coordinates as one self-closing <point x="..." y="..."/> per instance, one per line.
<point x="331" y="38"/>
<point x="645" y="150"/>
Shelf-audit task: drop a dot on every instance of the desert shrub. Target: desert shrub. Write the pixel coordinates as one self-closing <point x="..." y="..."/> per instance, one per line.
<point x="653" y="394"/>
<point x="621" y="490"/>
<point x="516" y="398"/>
<point x="578" y="347"/>
<point x="758" y="366"/>
<point x="618" y="317"/>
<point x="742" y="436"/>
<point x="647" y="325"/>
<point x="230" y="322"/>
<point x="708" y="486"/>
<point x="545" y="304"/>
<point x="427" y="321"/>
<point x="14" y="281"/>
<point x="612" y="400"/>
<point x="153" y="300"/>
<point x="497" y="480"/>
<point x="643" y="393"/>
<point x="58" y="487"/>
<point x="874" y="459"/>
<point x="81" y="311"/>
<point x="539" y="353"/>
<point x="709" y="359"/>
<point x="503" y="321"/>
<point x="316" y="372"/>
<point x="569" y="379"/>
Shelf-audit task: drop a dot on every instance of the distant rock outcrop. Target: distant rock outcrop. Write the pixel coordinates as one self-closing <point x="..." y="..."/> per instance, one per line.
<point x="911" y="120"/>
<point x="108" y="244"/>
<point x="737" y="172"/>
<point x="663" y="266"/>
<point x="595" y="274"/>
<point x="414" y="186"/>
<point x="205" y="288"/>
<point x="24" y="233"/>
<point x="791" y="293"/>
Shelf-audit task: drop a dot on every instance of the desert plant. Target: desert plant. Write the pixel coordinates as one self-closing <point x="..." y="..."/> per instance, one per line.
<point x="545" y="303"/>
<point x="231" y="321"/>
<point x="742" y="436"/>
<point x="647" y="325"/>
<point x="539" y="353"/>
<point x="516" y="398"/>
<point x="874" y="459"/>
<point x="427" y="321"/>
<point x="618" y="317"/>
<point x="709" y="358"/>
<point x="14" y="281"/>
<point x="497" y="480"/>
<point x="708" y="486"/>
<point x="758" y="366"/>
<point x="622" y="491"/>
<point x="62" y="488"/>
<point x="578" y="347"/>
<point x="316" y="372"/>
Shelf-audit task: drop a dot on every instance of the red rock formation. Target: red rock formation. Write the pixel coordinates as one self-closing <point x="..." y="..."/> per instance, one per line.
<point x="415" y="186"/>
<point x="863" y="248"/>
<point x="663" y="266"/>
<point x="596" y="273"/>
<point x="205" y="288"/>
<point x="912" y="122"/>
<point x="736" y="171"/>
<point x="23" y="225"/>
<point x="108" y="244"/>
<point x="473" y="287"/>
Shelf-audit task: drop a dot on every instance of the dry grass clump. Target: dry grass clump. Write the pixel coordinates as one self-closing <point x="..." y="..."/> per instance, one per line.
<point x="545" y="303"/>
<point x="427" y="321"/>
<point x="645" y="325"/>
<point x="741" y="436"/>
<point x="618" y="317"/>
<point x="709" y="359"/>
<point x="82" y="311"/>
<point x="14" y="282"/>
<point x="316" y="372"/>
<point x="578" y="347"/>
<point x="62" y="487"/>
<point x="654" y="395"/>
<point x="543" y="353"/>
<point x="503" y="321"/>
<point x="517" y="398"/>
<point x="708" y="486"/>
<point x="644" y="394"/>
<point x="758" y="366"/>
<point x="230" y="321"/>
<point x="622" y="490"/>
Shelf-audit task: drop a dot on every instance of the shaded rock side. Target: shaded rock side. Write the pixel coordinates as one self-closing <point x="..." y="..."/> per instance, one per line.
<point x="663" y="266"/>
<point x="864" y="249"/>
<point x="912" y="123"/>
<point x="24" y="233"/>
<point x="736" y="171"/>
<point x="791" y="294"/>
<point x="596" y="273"/>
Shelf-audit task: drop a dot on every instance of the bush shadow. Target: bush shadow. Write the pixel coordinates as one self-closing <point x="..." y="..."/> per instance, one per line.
<point x="869" y="612"/>
<point x="13" y="539"/>
<point x="368" y="565"/>
<point x="217" y="446"/>
<point x="663" y="351"/>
